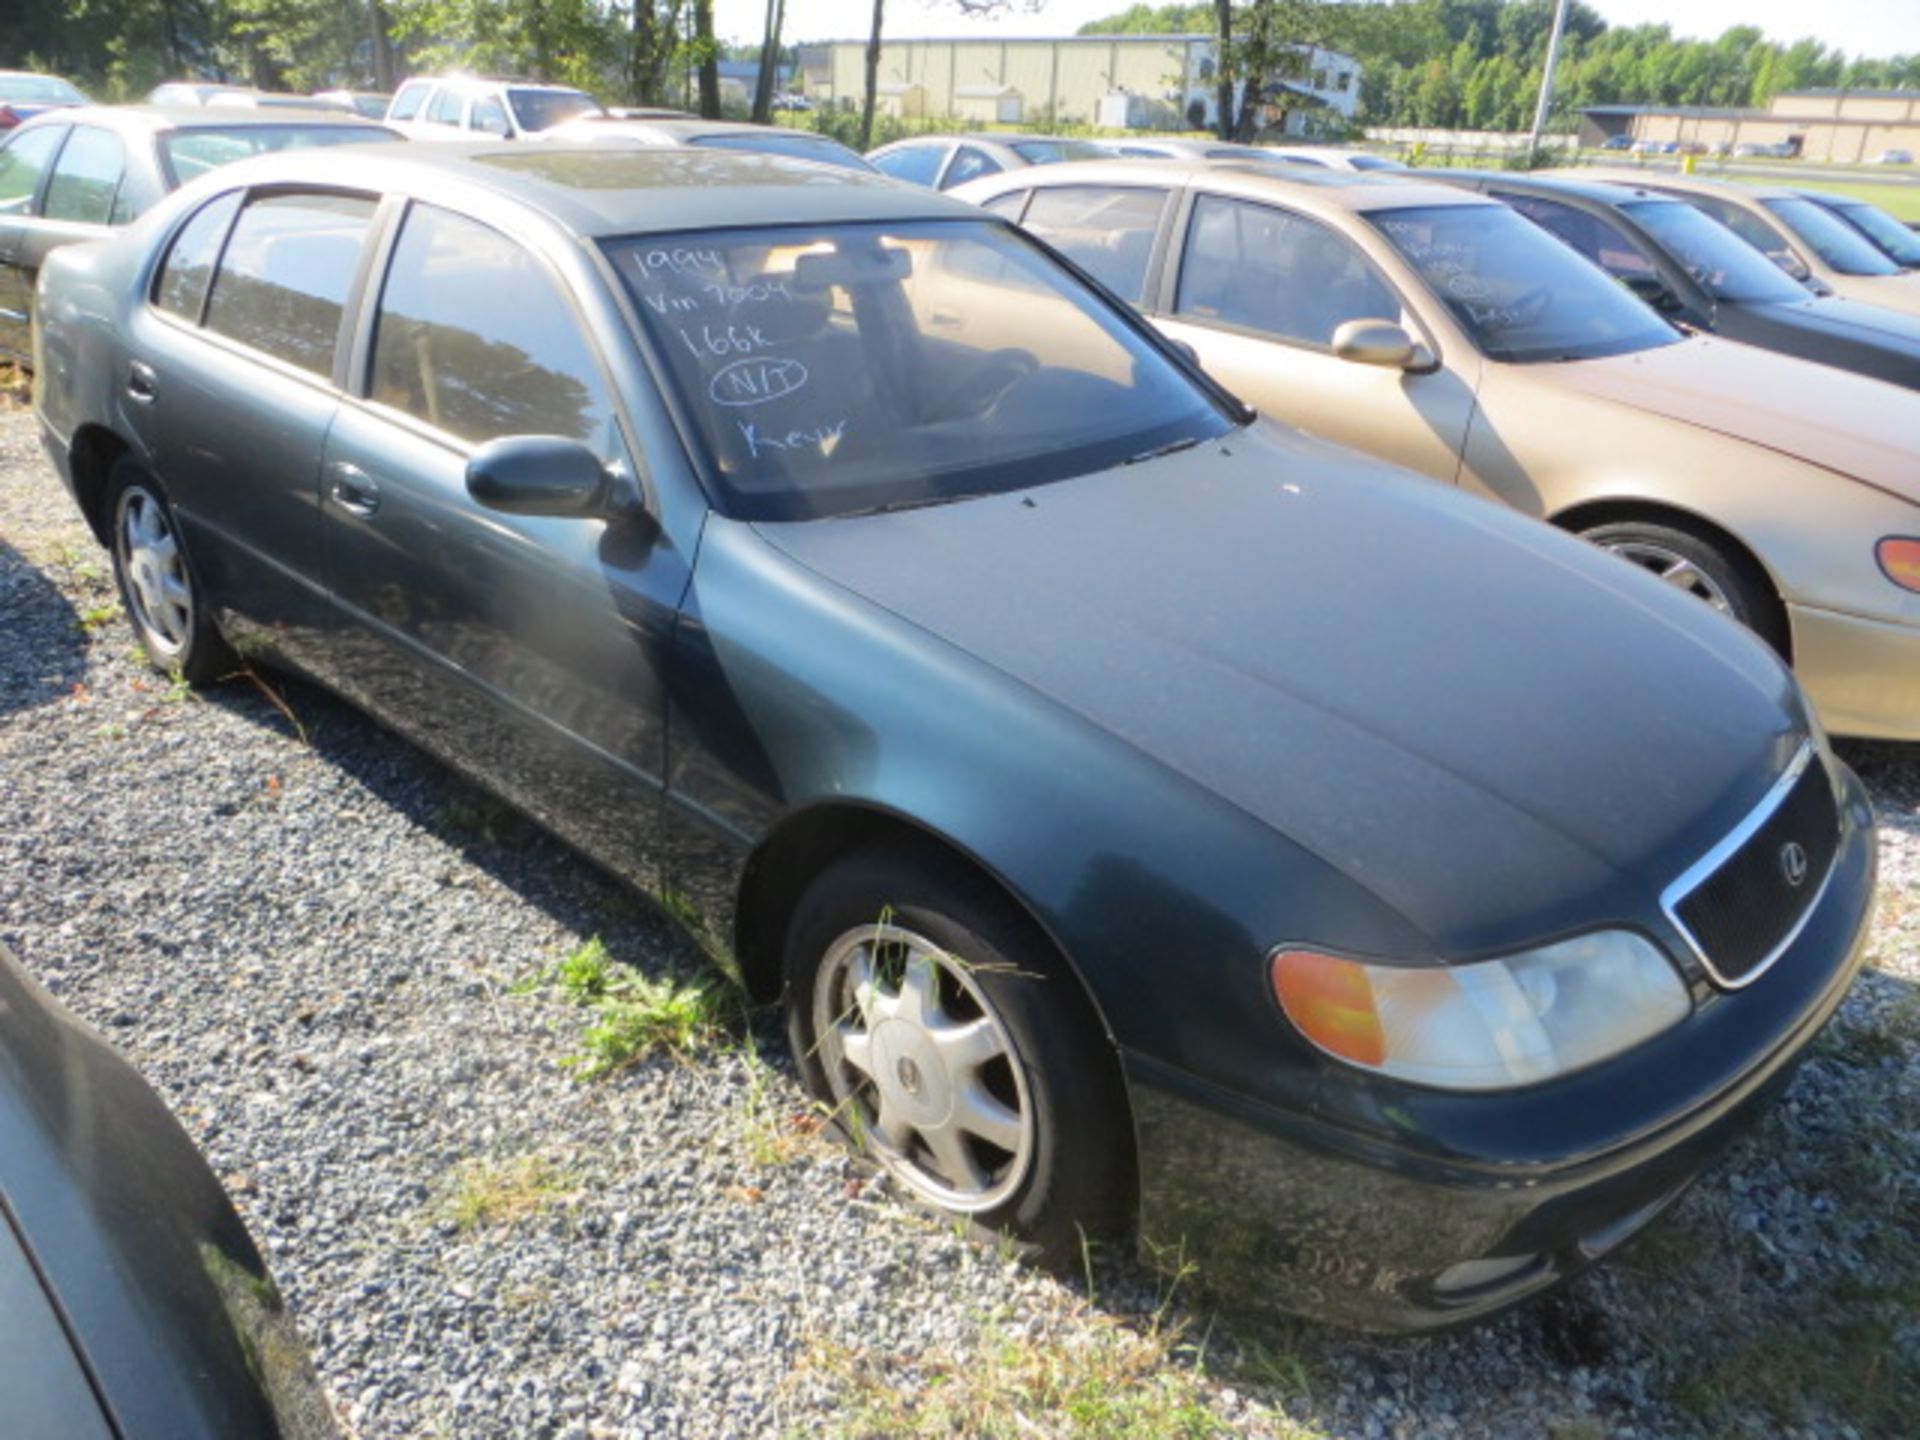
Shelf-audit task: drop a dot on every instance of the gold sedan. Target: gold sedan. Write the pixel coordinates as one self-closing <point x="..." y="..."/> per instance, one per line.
<point x="1443" y="332"/>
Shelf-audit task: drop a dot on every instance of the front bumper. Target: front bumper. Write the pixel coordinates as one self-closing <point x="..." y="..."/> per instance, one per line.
<point x="1863" y="675"/>
<point x="1449" y="1207"/>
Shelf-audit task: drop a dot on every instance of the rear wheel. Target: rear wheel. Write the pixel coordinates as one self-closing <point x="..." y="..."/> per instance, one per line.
<point x="1728" y="582"/>
<point x="956" y="1051"/>
<point x="157" y="585"/>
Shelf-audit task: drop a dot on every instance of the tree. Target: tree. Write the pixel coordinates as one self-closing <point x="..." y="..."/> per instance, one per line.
<point x="769" y="63"/>
<point x="873" y="74"/>
<point x="706" y="58"/>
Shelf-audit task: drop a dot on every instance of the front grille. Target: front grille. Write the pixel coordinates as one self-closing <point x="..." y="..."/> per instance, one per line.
<point x="1744" y="911"/>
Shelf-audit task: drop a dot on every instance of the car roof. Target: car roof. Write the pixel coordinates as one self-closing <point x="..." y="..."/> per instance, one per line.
<point x="152" y="119"/>
<point x="677" y="128"/>
<point x="1007" y="138"/>
<point x="606" y="188"/>
<point x="1695" y="185"/>
<point x="488" y="82"/>
<point x="1351" y="190"/>
<point x="1561" y="182"/>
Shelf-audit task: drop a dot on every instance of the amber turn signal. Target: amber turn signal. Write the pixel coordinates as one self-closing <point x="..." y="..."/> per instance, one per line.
<point x="1899" y="557"/>
<point x="1330" y="1001"/>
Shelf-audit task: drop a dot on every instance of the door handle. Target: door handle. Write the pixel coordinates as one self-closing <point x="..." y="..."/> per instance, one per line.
<point x="352" y="489"/>
<point x="142" y="384"/>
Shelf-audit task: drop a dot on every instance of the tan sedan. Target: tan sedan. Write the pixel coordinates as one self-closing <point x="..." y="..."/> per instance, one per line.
<point x="1801" y="236"/>
<point x="1442" y="331"/>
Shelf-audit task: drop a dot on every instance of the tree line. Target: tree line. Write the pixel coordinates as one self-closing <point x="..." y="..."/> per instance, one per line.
<point x="1476" y="64"/>
<point x="1468" y="64"/>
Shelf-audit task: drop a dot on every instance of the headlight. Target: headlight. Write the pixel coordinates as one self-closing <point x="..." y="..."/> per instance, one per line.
<point x="1490" y="1025"/>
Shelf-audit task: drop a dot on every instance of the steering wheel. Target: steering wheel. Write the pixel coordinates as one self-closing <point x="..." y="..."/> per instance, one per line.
<point x="1528" y="306"/>
<point x="987" y="385"/>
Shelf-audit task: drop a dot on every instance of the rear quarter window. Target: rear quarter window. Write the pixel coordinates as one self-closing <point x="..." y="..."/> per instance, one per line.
<point x="182" y="285"/>
<point x="283" y="279"/>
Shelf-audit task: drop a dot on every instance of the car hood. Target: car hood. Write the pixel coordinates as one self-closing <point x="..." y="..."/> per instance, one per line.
<point x="1843" y="422"/>
<point x="1489" y="724"/>
<point x="1892" y="292"/>
<point x="1846" y="320"/>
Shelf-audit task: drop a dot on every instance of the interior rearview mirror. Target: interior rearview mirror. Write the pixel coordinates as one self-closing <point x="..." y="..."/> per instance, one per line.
<point x="538" y="475"/>
<point x="1380" y="342"/>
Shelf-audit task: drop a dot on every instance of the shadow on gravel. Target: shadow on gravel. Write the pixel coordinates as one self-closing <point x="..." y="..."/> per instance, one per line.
<point x="515" y="852"/>
<point x="55" y="658"/>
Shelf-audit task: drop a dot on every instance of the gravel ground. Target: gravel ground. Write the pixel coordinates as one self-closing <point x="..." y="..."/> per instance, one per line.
<point x="308" y="935"/>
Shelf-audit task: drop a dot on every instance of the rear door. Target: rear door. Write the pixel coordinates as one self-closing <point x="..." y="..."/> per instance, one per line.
<point x="231" y="385"/>
<point x="26" y="160"/>
<point x="530" y="650"/>
<point x="1258" y="291"/>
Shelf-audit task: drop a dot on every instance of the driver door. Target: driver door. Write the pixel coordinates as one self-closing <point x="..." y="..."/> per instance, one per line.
<point x="1258" y="290"/>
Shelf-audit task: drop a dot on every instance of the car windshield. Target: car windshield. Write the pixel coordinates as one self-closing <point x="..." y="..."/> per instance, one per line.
<point x="801" y="147"/>
<point x="837" y="369"/>
<point x="1375" y="162"/>
<point x="1053" y="152"/>
<point x="187" y="153"/>
<point x="1881" y="228"/>
<point x="1832" y="239"/>
<point x="1720" y="262"/>
<point x="543" y="109"/>
<point x="1521" y="294"/>
<point x="39" y="89"/>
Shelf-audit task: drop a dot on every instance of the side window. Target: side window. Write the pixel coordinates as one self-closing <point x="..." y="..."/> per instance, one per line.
<point x="489" y="117"/>
<point x="23" y="161"/>
<point x="86" y="178"/>
<point x="412" y="96"/>
<point x="969" y="164"/>
<point x="475" y="338"/>
<point x="446" y="106"/>
<point x="189" y="265"/>
<point x="1009" y="204"/>
<point x="1592" y="236"/>
<point x="917" y="163"/>
<point x="1280" y="274"/>
<point x="283" y="279"/>
<point x="1106" y="232"/>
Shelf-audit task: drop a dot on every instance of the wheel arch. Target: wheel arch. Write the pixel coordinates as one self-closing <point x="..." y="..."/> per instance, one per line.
<point x="1586" y="514"/>
<point x="92" y="454"/>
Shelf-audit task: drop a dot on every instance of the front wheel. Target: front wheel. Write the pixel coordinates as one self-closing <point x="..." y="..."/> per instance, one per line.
<point x="955" y="1049"/>
<point x="1700" y="568"/>
<point x="157" y="585"/>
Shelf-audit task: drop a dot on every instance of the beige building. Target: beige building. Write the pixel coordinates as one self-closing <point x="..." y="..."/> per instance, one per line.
<point x="1139" y="81"/>
<point x="1846" y="126"/>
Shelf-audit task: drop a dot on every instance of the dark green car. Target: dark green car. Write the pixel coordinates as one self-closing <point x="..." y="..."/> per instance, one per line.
<point x="1155" y="821"/>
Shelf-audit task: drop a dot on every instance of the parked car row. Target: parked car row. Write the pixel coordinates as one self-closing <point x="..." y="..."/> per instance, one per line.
<point x="1153" y="819"/>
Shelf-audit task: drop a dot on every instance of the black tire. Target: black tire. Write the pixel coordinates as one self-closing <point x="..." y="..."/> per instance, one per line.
<point x="1729" y="581"/>
<point x="1076" y="1177"/>
<point x="179" y="637"/>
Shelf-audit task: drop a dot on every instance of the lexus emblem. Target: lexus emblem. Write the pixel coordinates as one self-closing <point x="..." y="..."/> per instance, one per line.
<point x="1793" y="863"/>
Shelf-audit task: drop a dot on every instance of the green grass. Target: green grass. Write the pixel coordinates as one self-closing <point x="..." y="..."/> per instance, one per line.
<point x="483" y="1194"/>
<point x="1900" y="201"/>
<point x="634" y="1016"/>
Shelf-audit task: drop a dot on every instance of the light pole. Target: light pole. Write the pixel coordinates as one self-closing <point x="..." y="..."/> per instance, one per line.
<point x="1546" y="80"/>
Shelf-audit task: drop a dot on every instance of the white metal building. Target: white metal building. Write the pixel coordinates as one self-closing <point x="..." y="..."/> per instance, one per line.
<point x="1156" y="81"/>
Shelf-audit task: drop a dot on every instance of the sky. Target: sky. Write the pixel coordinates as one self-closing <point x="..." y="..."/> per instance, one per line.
<point x="1860" y="27"/>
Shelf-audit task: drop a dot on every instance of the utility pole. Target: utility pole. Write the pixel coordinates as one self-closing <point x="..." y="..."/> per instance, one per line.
<point x="1546" y="80"/>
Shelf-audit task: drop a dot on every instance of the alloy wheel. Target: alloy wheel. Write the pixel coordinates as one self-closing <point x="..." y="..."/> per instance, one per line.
<point x="922" y="1068"/>
<point x="156" y="573"/>
<point x="1674" y="569"/>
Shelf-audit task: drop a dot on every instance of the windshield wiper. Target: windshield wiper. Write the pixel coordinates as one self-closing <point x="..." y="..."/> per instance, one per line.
<point x="1172" y="447"/>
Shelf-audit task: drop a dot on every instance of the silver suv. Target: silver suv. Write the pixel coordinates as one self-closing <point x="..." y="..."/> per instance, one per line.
<point x="464" y="108"/>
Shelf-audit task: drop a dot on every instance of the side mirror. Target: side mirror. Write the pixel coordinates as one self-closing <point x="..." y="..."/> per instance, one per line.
<point x="1185" y="351"/>
<point x="1380" y="342"/>
<point x="538" y="475"/>
<point x="1792" y="264"/>
<point x="1653" y="290"/>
